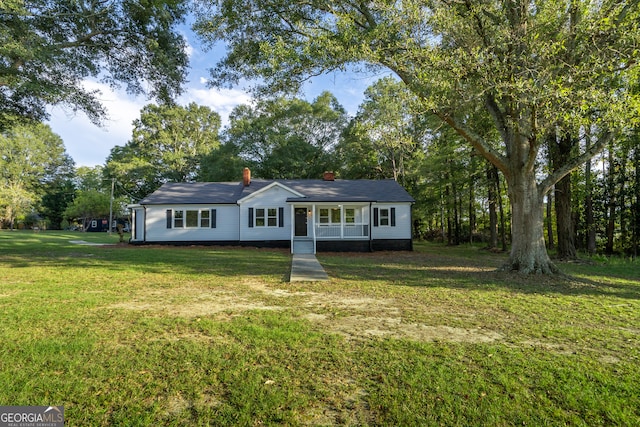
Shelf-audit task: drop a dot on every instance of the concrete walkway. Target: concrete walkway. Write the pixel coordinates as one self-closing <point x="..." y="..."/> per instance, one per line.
<point x="82" y="242"/>
<point x="306" y="268"/>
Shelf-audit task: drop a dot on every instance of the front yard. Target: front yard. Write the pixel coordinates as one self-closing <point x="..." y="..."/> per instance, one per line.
<point x="124" y="335"/>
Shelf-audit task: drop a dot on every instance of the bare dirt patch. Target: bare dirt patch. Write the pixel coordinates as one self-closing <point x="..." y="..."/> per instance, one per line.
<point x="191" y="302"/>
<point x="361" y="326"/>
<point x="356" y="317"/>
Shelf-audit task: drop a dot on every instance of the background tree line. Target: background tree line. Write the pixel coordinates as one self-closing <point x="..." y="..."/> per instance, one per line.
<point x="460" y="196"/>
<point x="536" y="88"/>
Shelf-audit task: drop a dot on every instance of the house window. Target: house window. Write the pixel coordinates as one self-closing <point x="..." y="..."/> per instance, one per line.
<point x="192" y="219"/>
<point x="266" y="217"/>
<point x="384" y="217"/>
<point x="178" y="219"/>
<point x="260" y="217"/>
<point x="335" y="216"/>
<point x="350" y="216"/>
<point x="272" y="217"/>
<point x="205" y="218"/>
<point x="329" y="216"/>
<point x="324" y="216"/>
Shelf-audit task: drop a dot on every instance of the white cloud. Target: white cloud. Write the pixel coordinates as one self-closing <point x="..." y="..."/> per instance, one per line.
<point x="88" y="144"/>
<point x="188" y="48"/>
<point x="222" y="101"/>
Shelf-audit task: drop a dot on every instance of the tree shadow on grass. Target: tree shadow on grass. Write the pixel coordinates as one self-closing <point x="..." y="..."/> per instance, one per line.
<point x="198" y="260"/>
<point x="448" y="270"/>
<point x="428" y="266"/>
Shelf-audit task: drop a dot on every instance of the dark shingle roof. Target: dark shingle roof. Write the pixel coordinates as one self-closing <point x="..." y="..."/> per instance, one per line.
<point x="357" y="190"/>
<point x="360" y="190"/>
<point x="194" y="193"/>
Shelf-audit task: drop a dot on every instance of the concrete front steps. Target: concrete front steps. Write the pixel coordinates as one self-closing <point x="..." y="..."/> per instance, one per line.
<point x="303" y="246"/>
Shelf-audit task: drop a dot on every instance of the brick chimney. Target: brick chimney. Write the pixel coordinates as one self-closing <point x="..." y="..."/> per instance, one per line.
<point x="329" y="176"/>
<point x="246" y="177"/>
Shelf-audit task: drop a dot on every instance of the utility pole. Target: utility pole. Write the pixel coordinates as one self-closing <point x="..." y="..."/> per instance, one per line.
<point x="113" y="182"/>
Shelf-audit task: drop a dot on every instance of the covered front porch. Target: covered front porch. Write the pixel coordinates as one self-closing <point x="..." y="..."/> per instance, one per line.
<point x="339" y="225"/>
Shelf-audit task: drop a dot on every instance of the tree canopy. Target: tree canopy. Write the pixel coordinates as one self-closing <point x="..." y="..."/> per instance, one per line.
<point x="32" y="158"/>
<point x="382" y="137"/>
<point x="167" y="145"/>
<point x="287" y="138"/>
<point x="48" y="47"/>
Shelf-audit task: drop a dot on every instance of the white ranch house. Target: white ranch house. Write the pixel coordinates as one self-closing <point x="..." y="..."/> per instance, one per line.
<point x="304" y="215"/>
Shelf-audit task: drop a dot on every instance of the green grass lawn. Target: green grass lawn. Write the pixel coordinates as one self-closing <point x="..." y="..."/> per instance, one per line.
<point x="126" y="335"/>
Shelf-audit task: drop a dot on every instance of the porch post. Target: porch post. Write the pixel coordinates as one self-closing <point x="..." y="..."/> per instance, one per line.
<point x="293" y="224"/>
<point x="370" y="229"/>
<point x="313" y="226"/>
<point x="341" y="222"/>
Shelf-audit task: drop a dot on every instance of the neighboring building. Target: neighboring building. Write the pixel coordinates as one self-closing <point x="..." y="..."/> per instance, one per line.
<point x="102" y="224"/>
<point x="305" y="215"/>
<point x="97" y="224"/>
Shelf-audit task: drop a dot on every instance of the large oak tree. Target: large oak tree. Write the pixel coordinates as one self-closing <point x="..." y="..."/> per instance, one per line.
<point x="524" y="63"/>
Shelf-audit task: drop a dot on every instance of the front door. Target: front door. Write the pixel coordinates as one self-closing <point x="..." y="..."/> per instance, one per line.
<point x="301" y="222"/>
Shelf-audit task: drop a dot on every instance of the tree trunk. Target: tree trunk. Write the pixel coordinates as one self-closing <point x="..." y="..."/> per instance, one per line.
<point x="456" y="214"/>
<point x="393" y="166"/>
<point x="472" y="211"/>
<point x="503" y="226"/>
<point x="588" y="205"/>
<point x="449" y="227"/>
<point x="560" y="150"/>
<point x="442" y="230"/>
<point x="550" y="219"/>
<point x="492" y="173"/>
<point x="621" y="179"/>
<point x="635" y="207"/>
<point x="611" y="223"/>
<point x="564" y="220"/>
<point x="528" y="251"/>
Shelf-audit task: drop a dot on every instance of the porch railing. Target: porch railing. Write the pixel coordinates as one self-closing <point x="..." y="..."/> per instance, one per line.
<point x="344" y="231"/>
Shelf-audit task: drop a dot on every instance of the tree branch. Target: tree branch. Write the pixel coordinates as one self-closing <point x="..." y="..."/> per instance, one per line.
<point x="80" y="41"/>
<point x="574" y="163"/>
<point x="497" y="114"/>
<point x="483" y="148"/>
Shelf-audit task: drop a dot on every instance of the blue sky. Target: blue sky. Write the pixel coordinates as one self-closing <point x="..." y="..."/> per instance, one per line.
<point x="90" y="145"/>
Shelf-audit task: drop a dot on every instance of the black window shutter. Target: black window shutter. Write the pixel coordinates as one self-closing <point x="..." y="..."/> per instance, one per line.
<point x="393" y="217"/>
<point x="250" y="217"/>
<point x="375" y="217"/>
<point x="169" y="218"/>
<point x="213" y="218"/>
<point x="281" y="217"/>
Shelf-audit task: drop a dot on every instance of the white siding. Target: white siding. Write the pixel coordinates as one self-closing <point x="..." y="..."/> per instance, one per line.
<point x="402" y="230"/>
<point x="274" y="197"/>
<point x="226" y="225"/>
<point x="232" y="221"/>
